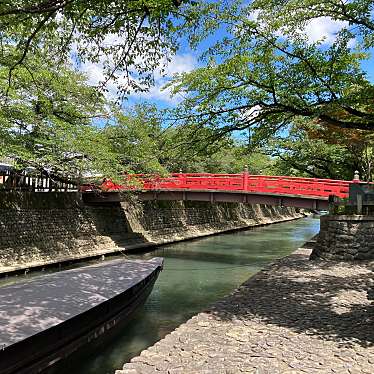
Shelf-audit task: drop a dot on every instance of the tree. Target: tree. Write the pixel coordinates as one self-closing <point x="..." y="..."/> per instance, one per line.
<point x="144" y="144"/>
<point x="49" y="117"/>
<point x="228" y="156"/>
<point x="265" y="74"/>
<point x="127" y="38"/>
<point x="296" y="14"/>
<point x="356" y="144"/>
<point x="320" y="151"/>
<point x="300" y="155"/>
<point x="46" y="120"/>
<point x="138" y="139"/>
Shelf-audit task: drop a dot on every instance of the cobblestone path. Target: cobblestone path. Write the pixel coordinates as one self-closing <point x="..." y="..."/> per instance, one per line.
<point x="295" y="316"/>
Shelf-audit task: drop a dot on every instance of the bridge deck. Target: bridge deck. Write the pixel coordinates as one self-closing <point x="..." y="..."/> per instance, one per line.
<point x="238" y="192"/>
<point x="40" y="317"/>
<point x="292" y="200"/>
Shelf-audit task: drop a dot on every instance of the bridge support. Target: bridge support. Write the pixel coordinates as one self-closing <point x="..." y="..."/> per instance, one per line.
<point x="345" y="237"/>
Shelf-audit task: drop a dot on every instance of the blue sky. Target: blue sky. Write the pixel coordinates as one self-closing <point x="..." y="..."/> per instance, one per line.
<point x="368" y="66"/>
<point x="187" y="59"/>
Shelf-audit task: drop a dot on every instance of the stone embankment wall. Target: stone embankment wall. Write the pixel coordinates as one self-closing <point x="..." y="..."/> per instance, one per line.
<point x="43" y="228"/>
<point x="169" y="221"/>
<point x="344" y="237"/>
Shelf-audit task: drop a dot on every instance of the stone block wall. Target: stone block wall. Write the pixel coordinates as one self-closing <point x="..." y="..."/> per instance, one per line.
<point x="168" y="221"/>
<point x="37" y="229"/>
<point x="345" y="237"/>
<point x="42" y="228"/>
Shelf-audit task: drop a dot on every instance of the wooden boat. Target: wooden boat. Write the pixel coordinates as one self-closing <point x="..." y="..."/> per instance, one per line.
<point x="44" y="320"/>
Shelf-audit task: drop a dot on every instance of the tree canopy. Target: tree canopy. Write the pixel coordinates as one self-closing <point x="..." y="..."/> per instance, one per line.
<point x="260" y="71"/>
<point x="144" y="144"/>
<point x="127" y="38"/>
<point x="46" y="120"/>
<point x="331" y="154"/>
<point x="265" y="73"/>
<point x="51" y="118"/>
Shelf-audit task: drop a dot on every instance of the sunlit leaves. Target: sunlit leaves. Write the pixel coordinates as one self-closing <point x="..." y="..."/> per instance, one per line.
<point x="46" y="120"/>
<point x="264" y="59"/>
<point x="127" y="38"/>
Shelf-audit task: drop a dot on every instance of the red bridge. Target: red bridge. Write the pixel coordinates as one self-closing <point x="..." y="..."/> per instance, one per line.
<point x="255" y="189"/>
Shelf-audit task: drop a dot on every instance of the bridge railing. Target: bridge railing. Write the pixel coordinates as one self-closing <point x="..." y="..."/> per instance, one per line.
<point x="274" y="185"/>
<point x="298" y="186"/>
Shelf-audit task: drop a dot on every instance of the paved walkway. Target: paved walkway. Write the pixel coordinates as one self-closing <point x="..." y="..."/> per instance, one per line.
<point x="296" y="316"/>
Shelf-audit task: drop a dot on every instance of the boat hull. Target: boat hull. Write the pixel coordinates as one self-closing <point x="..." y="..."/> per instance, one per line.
<point x="42" y="351"/>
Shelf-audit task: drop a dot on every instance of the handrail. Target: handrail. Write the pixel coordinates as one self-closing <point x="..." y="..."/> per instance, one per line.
<point x="264" y="184"/>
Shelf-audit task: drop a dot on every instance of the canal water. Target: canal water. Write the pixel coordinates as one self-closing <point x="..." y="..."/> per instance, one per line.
<point x="196" y="274"/>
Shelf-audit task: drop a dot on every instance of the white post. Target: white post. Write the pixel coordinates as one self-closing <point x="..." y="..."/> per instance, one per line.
<point x="356" y="177"/>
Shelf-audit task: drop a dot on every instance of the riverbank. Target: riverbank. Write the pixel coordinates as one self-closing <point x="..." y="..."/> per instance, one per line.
<point x="294" y="316"/>
<point x="43" y="229"/>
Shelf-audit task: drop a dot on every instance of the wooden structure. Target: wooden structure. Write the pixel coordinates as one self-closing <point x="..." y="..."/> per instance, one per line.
<point x="35" y="182"/>
<point x="44" y="320"/>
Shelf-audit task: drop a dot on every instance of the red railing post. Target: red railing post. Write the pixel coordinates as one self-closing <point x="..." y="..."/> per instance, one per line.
<point x="245" y="178"/>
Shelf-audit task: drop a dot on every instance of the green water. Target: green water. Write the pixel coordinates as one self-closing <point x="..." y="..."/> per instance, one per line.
<point x="196" y="274"/>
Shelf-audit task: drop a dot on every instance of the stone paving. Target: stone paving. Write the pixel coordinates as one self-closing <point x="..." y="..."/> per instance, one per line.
<point x="295" y="316"/>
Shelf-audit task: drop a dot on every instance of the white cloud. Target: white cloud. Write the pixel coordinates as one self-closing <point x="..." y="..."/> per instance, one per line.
<point x="94" y="72"/>
<point x="95" y="77"/>
<point x="179" y="63"/>
<point x="157" y="93"/>
<point x="252" y="113"/>
<point x="323" y="29"/>
<point x="253" y="16"/>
